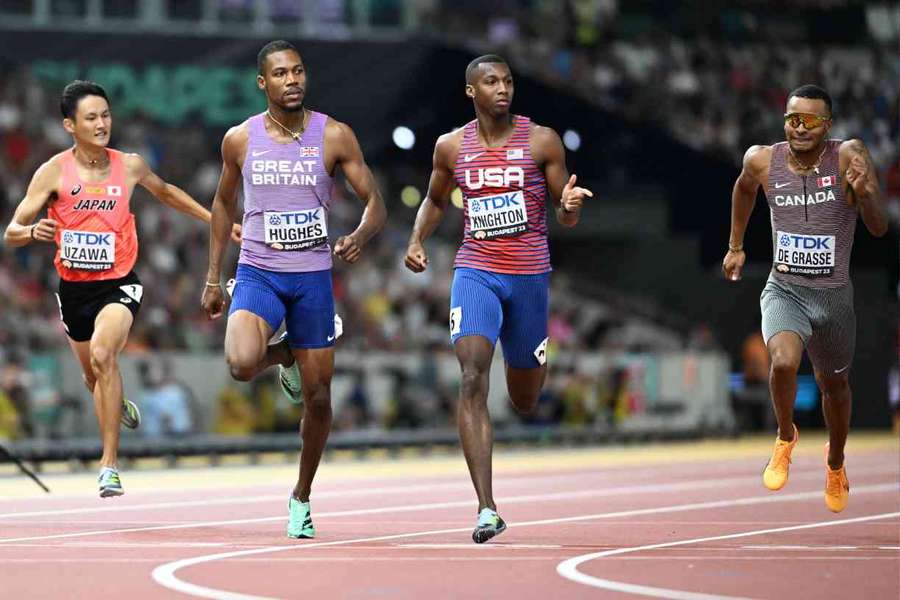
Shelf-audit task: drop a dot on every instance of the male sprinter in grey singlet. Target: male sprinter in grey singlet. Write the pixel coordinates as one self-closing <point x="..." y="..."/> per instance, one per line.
<point x="287" y="157"/>
<point x="815" y="188"/>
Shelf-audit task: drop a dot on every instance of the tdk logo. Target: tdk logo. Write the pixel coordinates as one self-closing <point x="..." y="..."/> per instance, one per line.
<point x="807" y="243"/>
<point x="492" y="203"/>
<point x="495" y="177"/>
<point x="87" y="238"/>
<point x="298" y="218"/>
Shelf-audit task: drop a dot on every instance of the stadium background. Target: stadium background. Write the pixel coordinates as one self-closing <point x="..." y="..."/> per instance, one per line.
<point x="656" y="101"/>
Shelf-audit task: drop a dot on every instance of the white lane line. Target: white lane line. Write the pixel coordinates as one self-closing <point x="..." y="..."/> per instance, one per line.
<point x="615" y="491"/>
<point x="569" y="567"/>
<point x="480" y="547"/>
<point x="800" y="547"/>
<point x="165" y="574"/>
<point x="405" y="489"/>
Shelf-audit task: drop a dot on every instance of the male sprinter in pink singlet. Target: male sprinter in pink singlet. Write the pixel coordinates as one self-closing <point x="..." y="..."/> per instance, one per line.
<point x="503" y="163"/>
<point x="287" y="157"/>
<point x="87" y="192"/>
<point x="816" y="188"/>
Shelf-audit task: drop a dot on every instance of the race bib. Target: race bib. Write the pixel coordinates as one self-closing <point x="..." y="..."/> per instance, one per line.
<point x="296" y="230"/>
<point x="87" y="250"/>
<point x="804" y="254"/>
<point x="497" y="216"/>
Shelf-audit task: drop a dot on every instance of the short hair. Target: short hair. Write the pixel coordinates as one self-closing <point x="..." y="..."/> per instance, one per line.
<point x="813" y="92"/>
<point x="271" y="48"/>
<point x="486" y="58"/>
<point x="74" y="92"/>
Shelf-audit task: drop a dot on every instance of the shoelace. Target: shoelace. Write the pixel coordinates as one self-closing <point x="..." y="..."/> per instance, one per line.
<point x="834" y="483"/>
<point x="781" y="459"/>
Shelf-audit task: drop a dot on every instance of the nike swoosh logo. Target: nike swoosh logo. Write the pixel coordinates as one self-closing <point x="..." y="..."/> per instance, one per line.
<point x="256" y="153"/>
<point x="330" y="338"/>
<point x="778" y="186"/>
<point x="836" y="371"/>
<point x="471" y="157"/>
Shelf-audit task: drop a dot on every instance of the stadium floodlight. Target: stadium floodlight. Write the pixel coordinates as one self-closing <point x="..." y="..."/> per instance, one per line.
<point x="572" y="140"/>
<point x="404" y="137"/>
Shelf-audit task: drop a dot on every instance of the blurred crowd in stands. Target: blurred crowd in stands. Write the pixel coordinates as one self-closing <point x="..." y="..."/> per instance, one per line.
<point x="711" y="94"/>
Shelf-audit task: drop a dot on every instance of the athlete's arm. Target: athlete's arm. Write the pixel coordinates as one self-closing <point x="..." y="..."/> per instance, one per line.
<point x="349" y="156"/>
<point x="21" y="230"/>
<point x="224" y="206"/>
<point x="430" y="214"/>
<point x="743" y="197"/>
<point x="861" y="186"/>
<point x="548" y="152"/>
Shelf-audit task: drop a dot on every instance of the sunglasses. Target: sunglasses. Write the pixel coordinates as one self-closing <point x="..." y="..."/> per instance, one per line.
<point x="809" y="120"/>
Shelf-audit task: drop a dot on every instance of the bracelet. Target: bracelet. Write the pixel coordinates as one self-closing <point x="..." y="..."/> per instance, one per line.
<point x="210" y="284"/>
<point x="737" y="248"/>
<point x="32" y="230"/>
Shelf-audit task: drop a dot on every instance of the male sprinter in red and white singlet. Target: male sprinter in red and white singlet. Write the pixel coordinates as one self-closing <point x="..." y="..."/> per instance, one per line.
<point x="87" y="191"/>
<point x="503" y="164"/>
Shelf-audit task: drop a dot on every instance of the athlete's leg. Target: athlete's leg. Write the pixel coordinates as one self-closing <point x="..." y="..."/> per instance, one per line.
<point x="476" y="316"/>
<point x="524" y="386"/>
<point x="256" y="312"/>
<point x="836" y="403"/>
<point x="247" y="350"/>
<point x="316" y="371"/>
<point x="786" y="352"/>
<point x="111" y="329"/>
<point x="474" y="354"/>
<point x="526" y="311"/>
<point x="82" y="351"/>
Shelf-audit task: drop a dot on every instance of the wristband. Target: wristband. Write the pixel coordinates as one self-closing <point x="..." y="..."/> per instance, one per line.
<point x="737" y="248"/>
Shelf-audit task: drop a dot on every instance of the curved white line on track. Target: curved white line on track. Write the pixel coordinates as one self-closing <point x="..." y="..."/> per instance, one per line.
<point x="569" y="567"/>
<point x="165" y="574"/>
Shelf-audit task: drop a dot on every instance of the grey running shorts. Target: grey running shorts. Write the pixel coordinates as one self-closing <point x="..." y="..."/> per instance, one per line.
<point x="822" y="317"/>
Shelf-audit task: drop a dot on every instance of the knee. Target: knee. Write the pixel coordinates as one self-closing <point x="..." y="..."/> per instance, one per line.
<point x="835" y="389"/>
<point x="103" y="360"/>
<point x="474" y="382"/>
<point x="524" y="402"/>
<point x="784" y="363"/>
<point x="317" y="396"/>
<point x="240" y="370"/>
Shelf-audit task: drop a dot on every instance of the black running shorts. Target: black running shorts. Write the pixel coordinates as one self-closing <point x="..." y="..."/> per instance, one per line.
<point x="81" y="301"/>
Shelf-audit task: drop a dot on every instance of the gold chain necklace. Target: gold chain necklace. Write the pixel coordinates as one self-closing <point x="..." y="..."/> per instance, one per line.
<point x="803" y="167"/>
<point x="296" y="135"/>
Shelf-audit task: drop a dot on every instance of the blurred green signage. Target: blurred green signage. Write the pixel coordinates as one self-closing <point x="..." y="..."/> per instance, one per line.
<point x="215" y="96"/>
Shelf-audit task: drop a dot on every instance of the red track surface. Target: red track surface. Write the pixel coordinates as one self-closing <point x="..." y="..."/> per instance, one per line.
<point x="410" y="538"/>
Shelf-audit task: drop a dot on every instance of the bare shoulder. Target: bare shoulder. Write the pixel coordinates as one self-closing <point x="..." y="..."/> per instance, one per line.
<point x="545" y="144"/>
<point x="134" y="162"/>
<point x="541" y="134"/>
<point x="51" y="169"/>
<point x="446" y="148"/>
<point x="337" y="130"/>
<point x="234" y="142"/>
<point x="853" y="146"/>
<point x="757" y="158"/>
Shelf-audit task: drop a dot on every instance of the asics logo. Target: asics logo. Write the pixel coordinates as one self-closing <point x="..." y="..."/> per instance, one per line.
<point x="256" y="153"/>
<point x="778" y="186"/>
<point x="471" y="157"/>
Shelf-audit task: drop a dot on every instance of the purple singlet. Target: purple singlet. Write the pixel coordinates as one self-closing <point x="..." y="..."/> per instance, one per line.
<point x="287" y="195"/>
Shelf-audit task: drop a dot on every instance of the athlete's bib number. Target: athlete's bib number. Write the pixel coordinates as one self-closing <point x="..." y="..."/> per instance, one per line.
<point x="88" y="250"/>
<point x="297" y="230"/>
<point x="804" y="254"/>
<point x="497" y="216"/>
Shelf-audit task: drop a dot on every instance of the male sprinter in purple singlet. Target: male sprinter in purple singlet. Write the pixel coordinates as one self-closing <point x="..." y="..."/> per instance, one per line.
<point x="816" y="188"/>
<point x="287" y="157"/>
